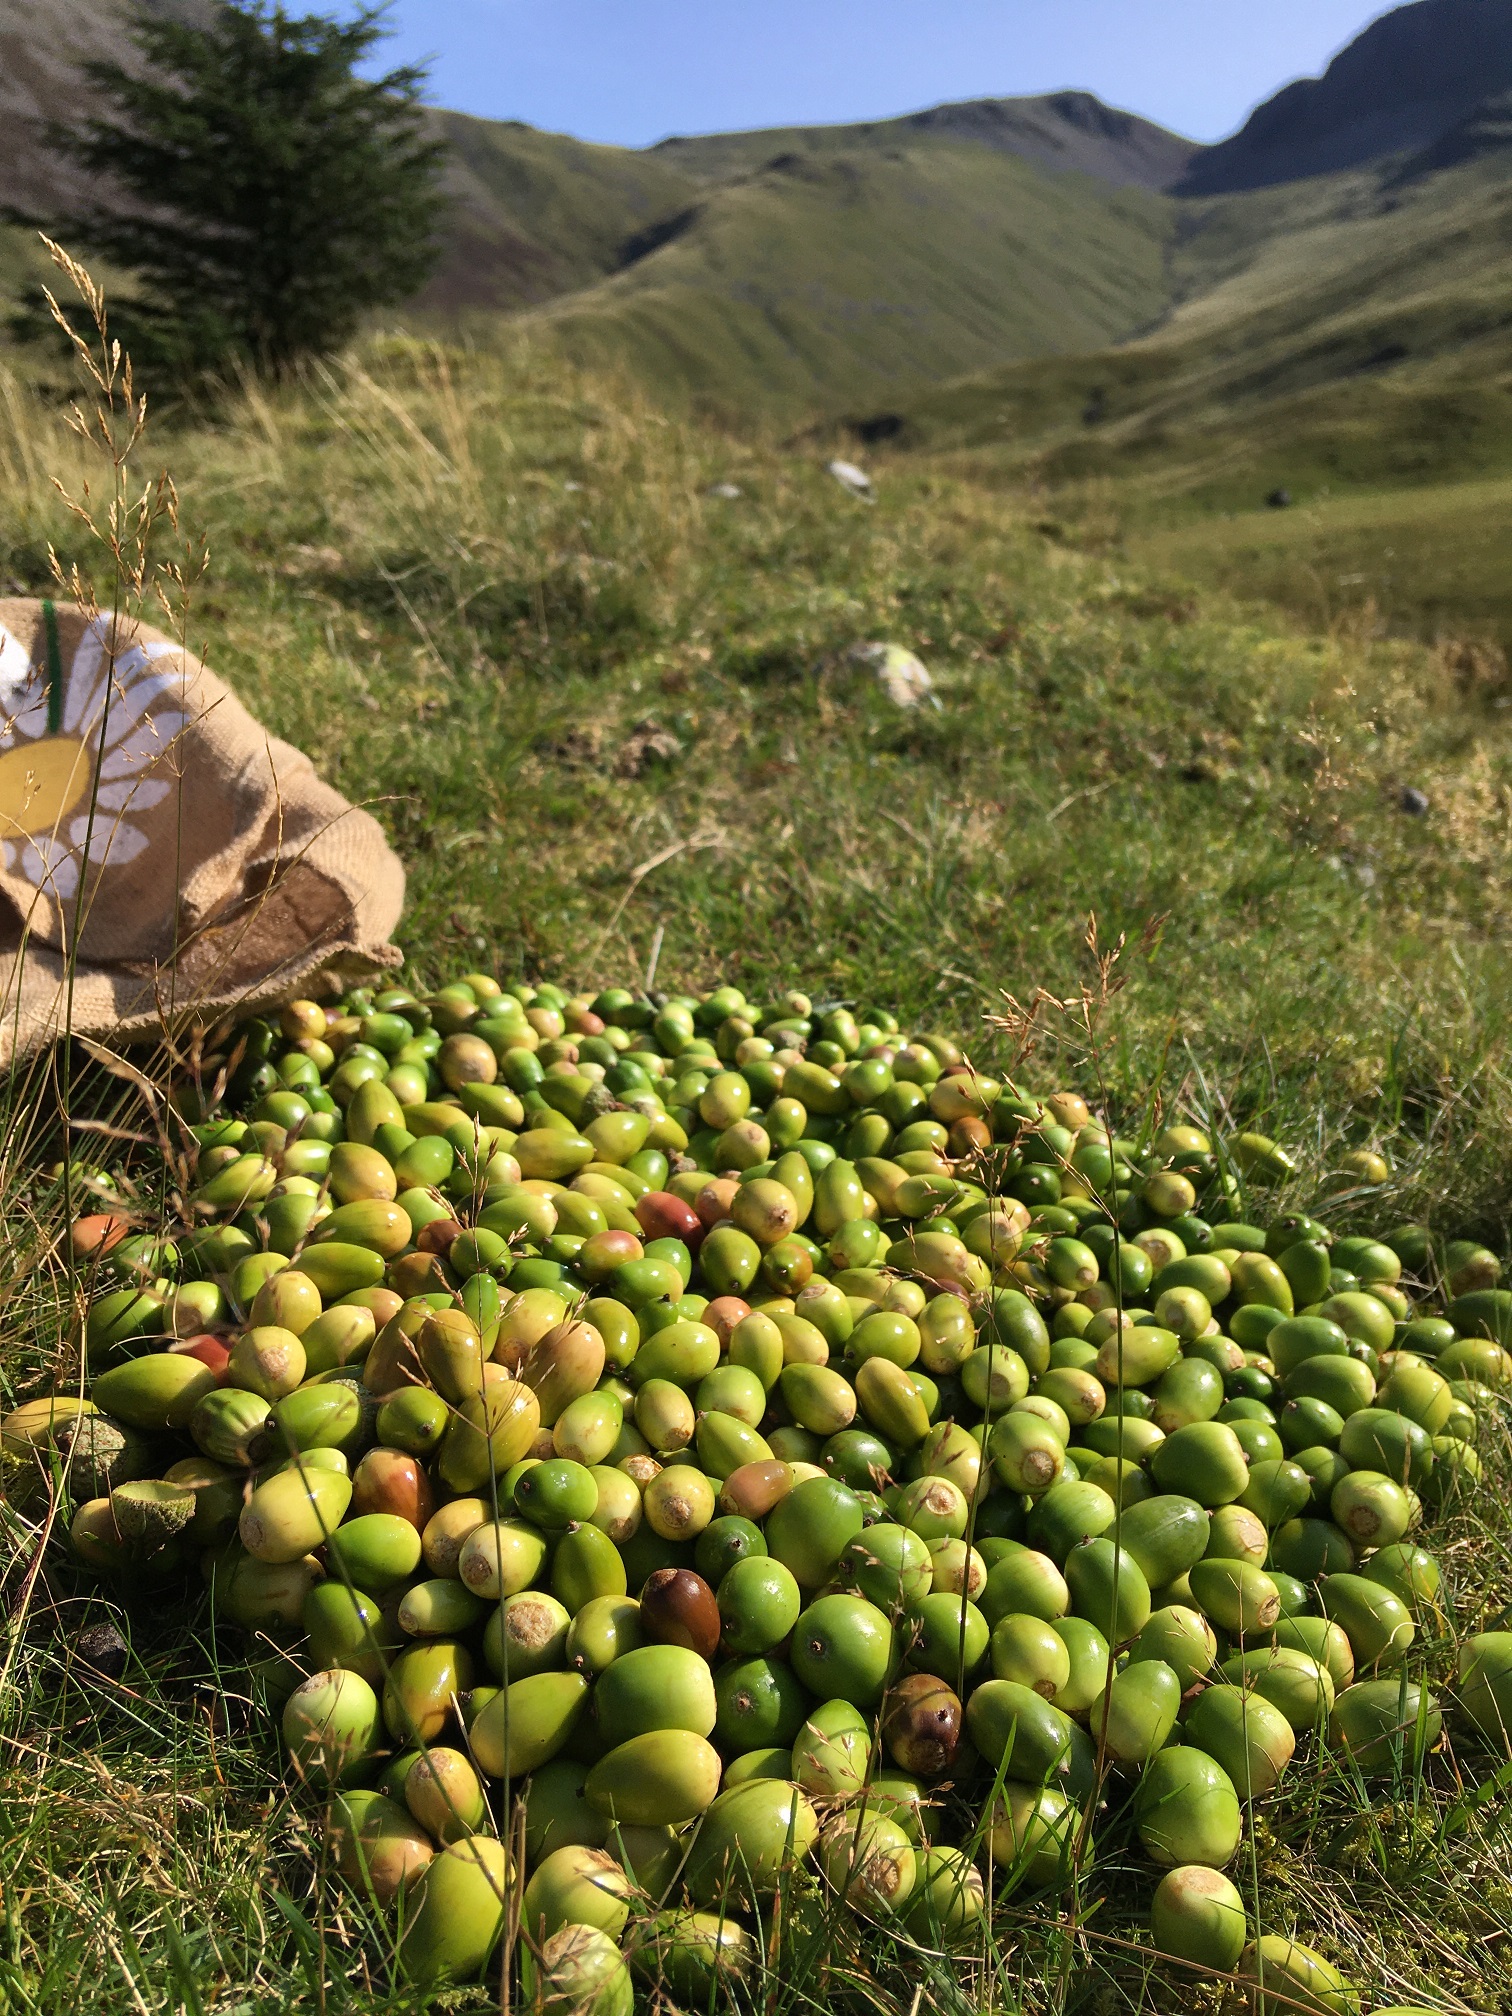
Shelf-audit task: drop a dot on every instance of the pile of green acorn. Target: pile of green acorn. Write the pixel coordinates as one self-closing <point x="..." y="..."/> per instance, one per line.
<point x="670" y="1455"/>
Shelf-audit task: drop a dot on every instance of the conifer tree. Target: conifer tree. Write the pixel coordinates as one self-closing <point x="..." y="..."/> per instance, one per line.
<point x="262" y="193"/>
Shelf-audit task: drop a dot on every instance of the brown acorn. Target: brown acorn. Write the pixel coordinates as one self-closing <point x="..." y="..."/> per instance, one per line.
<point x="388" y="1480"/>
<point x="92" y="1237"/>
<point x="969" y="1136"/>
<point x="753" y="1489"/>
<point x="421" y="1274"/>
<point x="678" y="1607"/>
<point x="921" y="1725"/>
<point x="437" y="1237"/>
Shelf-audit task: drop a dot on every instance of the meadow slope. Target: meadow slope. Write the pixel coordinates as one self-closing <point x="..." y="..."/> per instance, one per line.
<point x="595" y="706"/>
<point x="490" y="595"/>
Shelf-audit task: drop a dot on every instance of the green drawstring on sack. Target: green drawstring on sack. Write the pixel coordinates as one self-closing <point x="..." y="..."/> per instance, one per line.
<point x="54" y="670"/>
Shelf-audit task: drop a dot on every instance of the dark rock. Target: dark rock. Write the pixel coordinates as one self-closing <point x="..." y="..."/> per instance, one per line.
<point x="1414" y="801"/>
<point x="102" y="1648"/>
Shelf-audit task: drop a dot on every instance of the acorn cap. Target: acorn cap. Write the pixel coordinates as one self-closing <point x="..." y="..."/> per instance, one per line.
<point x="152" y="1510"/>
<point x="99" y="1454"/>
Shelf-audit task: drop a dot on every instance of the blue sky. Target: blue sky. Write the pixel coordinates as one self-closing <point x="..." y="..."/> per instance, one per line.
<point x="632" y="71"/>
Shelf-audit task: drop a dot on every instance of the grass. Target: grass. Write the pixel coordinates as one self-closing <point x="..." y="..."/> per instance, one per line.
<point x="1426" y="561"/>
<point x="595" y="707"/>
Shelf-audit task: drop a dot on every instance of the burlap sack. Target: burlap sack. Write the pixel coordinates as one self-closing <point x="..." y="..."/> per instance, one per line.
<point x="198" y="863"/>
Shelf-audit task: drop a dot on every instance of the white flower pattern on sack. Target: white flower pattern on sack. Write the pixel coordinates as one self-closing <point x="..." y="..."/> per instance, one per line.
<point x="46" y="779"/>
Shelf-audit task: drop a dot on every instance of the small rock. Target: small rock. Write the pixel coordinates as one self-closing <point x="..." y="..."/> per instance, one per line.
<point x="855" y="480"/>
<point x="102" y="1648"/>
<point x="903" y="678"/>
<point x="1279" y="499"/>
<point x="1414" y="801"/>
<point x="729" y="490"/>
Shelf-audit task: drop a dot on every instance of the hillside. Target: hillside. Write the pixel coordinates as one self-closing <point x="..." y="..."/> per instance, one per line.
<point x="825" y="277"/>
<point x="42" y="44"/>
<point x="1346" y="288"/>
<point x="536" y="218"/>
<point x="821" y="268"/>
<point x="538" y="215"/>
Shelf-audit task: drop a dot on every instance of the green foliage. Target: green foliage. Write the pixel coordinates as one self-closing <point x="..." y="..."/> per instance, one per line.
<point x="264" y="196"/>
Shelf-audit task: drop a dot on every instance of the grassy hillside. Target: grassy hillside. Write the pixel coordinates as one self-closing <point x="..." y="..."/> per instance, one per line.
<point x="821" y="268"/>
<point x="770" y="273"/>
<point x="535" y="214"/>
<point x="784" y="273"/>
<point x="828" y="278"/>
<point x="1330" y="285"/>
<point x="593" y="704"/>
<point x="812" y="271"/>
<point x="1348" y="341"/>
<point x="1349" y="329"/>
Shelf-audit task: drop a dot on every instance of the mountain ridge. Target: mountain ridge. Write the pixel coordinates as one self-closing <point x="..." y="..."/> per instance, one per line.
<point x="1068" y="132"/>
<point x="1401" y="84"/>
